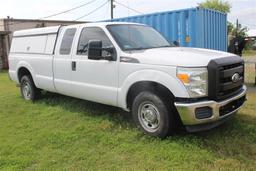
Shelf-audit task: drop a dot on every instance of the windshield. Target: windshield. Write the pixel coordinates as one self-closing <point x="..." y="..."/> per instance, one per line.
<point x="137" y="37"/>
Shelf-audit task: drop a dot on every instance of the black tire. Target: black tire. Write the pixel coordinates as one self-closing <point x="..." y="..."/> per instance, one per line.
<point x="27" y="84"/>
<point x="147" y="107"/>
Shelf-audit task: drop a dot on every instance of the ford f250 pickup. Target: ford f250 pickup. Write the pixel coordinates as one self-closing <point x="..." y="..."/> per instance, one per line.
<point x="133" y="67"/>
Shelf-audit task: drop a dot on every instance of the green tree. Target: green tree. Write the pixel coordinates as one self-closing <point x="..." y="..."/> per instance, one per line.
<point x="219" y="5"/>
<point x="230" y="27"/>
<point x="241" y="31"/>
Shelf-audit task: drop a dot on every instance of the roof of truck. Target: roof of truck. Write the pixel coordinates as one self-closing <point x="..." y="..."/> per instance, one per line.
<point x="54" y="29"/>
<point x="104" y="23"/>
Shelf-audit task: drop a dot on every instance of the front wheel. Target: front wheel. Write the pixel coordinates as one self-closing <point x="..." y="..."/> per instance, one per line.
<point x="28" y="89"/>
<point x="152" y="115"/>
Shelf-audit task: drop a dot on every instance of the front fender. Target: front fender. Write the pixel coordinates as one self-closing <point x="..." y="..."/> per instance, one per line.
<point x="170" y="82"/>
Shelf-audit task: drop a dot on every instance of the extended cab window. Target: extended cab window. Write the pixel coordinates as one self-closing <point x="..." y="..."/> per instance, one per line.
<point x="91" y="33"/>
<point x="67" y="41"/>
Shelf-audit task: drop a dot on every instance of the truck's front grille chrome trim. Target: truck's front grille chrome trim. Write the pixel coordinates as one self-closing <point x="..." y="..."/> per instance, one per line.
<point x="221" y="72"/>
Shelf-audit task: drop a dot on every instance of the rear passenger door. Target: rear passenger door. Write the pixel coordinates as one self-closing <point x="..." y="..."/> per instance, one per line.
<point x="94" y="80"/>
<point x="62" y="61"/>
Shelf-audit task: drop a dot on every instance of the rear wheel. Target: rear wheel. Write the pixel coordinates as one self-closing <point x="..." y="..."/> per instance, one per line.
<point x="28" y="89"/>
<point x="152" y="115"/>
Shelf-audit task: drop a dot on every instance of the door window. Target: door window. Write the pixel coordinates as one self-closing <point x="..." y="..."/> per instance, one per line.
<point x="92" y="33"/>
<point x="67" y="41"/>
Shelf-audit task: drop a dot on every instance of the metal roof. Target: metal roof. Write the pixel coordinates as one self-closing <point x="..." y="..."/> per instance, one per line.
<point x="252" y="33"/>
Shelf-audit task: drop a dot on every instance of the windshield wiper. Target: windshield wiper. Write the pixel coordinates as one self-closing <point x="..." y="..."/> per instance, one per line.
<point x="138" y="48"/>
<point x="163" y="46"/>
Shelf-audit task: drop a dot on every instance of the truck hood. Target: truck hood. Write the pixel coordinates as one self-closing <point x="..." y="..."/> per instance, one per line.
<point x="177" y="56"/>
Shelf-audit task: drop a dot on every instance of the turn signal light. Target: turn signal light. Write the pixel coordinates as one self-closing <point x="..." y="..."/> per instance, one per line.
<point x="183" y="77"/>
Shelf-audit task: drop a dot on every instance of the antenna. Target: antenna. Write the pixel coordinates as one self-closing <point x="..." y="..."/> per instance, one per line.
<point x="112" y="8"/>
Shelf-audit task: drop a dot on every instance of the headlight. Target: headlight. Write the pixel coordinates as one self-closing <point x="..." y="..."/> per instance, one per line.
<point x="195" y="80"/>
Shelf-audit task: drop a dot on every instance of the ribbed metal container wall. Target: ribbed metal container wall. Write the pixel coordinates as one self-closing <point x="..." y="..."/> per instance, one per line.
<point x="193" y="27"/>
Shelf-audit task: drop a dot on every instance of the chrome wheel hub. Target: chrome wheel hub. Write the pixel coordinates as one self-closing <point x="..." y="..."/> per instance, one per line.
<point x="26" y="90"/>
<point x="149" y="116"/>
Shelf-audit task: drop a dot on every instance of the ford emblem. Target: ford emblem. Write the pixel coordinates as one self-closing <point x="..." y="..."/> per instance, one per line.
<point x="235" y="77"/>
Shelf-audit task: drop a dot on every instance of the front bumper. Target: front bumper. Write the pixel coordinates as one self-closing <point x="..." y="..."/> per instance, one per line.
<point x="187" y="111"/>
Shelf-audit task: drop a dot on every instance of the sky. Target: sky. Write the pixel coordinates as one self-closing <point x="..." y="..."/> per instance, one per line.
<point x="244" y="10"/>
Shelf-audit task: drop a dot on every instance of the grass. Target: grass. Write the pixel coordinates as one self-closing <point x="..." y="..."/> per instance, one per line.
<point x="250" y="73"/>
<point x="63" y="133"/>
<point x="249" y="53"/>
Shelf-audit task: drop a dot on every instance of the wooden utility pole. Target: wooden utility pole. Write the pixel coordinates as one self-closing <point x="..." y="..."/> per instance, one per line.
<point x="237" y="27"/>
<point x="112" y="8"/>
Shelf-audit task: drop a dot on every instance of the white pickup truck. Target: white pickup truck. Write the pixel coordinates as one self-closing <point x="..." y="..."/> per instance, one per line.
<point x="133" y="67"/>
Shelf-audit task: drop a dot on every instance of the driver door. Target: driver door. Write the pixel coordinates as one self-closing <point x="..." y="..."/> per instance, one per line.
<point x="94" y="80"/>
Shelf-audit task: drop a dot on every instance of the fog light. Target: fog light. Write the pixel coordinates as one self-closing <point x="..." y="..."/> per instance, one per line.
<point x="203" y="112"/>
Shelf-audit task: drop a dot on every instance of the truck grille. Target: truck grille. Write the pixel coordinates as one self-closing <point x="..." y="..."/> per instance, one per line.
<point x="221" y="83"/>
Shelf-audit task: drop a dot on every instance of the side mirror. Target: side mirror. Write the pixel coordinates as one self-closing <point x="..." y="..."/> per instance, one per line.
<point x="97" y="52"/>
<point x="95" y="49"/>
<point x="176" y="43"/>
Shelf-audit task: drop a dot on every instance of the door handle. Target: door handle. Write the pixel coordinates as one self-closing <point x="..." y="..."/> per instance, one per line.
<point x="73" y="65"/>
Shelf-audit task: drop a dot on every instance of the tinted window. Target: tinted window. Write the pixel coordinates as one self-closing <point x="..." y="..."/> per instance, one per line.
<point x="67" y="41"/>
<point x="135" y="37"/>
<point x="91" y="33"/>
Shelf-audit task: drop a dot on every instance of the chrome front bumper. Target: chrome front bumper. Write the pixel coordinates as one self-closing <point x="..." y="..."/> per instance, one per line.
<point x="187" y="111"/>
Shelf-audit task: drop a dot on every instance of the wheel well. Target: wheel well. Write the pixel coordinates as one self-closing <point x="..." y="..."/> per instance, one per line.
<point x="23" y="71"/>
<point x="148" y="86"/>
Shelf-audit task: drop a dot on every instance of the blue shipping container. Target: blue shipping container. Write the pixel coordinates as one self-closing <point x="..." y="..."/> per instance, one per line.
<point x="193" y="27"/>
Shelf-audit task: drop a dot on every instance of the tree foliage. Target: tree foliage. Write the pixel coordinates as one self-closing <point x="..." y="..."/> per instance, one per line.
<point x="219" y="5"/>
<point x="241" y="31"/>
